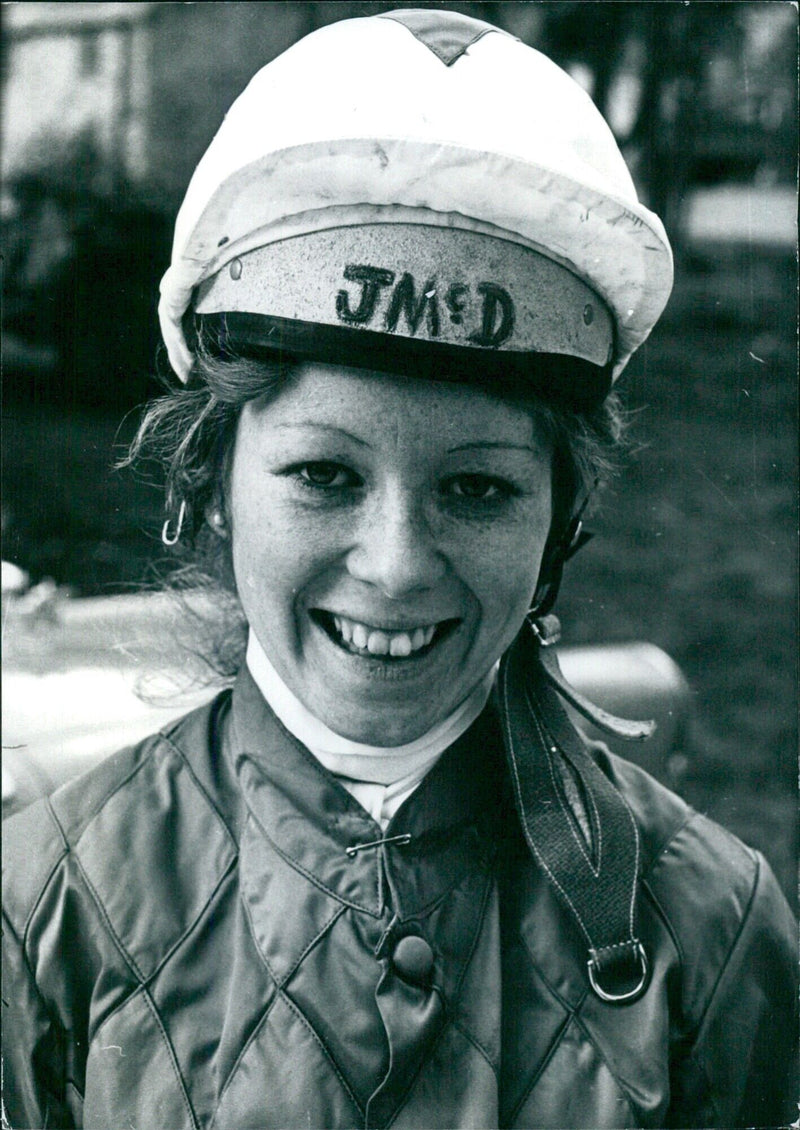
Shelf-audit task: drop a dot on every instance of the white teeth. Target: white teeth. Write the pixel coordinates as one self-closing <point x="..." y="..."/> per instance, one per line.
<point x="400" y="645"/>
<point x="379" y="641"/>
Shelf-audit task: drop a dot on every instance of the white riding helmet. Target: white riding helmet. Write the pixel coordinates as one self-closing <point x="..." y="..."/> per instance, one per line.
<point x="419" y="191"/>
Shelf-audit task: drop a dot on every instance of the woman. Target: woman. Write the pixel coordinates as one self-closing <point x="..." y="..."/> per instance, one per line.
<point x="383" y="881"/>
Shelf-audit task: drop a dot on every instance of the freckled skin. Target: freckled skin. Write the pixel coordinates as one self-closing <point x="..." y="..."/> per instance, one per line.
<point x="396" y="503"/>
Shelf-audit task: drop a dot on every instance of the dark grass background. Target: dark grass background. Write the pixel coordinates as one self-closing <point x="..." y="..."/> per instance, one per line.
<point x="695" y="547"/>
<point x="698" y="545"/>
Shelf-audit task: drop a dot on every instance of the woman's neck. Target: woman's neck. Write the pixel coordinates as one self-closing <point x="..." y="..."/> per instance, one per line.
<point x="383" y="765"/>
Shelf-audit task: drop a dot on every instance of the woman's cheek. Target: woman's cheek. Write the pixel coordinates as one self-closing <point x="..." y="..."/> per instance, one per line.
<point x="502" y="574"/>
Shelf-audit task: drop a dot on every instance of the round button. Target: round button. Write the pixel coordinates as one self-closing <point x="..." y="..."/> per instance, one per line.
<point x="413" y="958"/>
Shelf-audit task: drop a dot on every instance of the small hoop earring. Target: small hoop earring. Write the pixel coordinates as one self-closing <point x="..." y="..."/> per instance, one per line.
<point x="168" y="538"/>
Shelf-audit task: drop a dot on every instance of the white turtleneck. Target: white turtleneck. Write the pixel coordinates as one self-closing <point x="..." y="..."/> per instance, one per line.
<point x="379" y="777"/>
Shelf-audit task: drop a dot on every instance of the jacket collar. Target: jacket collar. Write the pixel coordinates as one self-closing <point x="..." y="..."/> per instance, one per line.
<point x="311" y="820"/>
<point x="439" y="833"/>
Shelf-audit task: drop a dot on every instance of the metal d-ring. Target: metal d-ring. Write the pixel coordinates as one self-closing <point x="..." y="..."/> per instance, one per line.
<point x="630" y="994"/>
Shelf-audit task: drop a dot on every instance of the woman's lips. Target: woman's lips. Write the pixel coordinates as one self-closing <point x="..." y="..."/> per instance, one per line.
<point x="360" y="638"/>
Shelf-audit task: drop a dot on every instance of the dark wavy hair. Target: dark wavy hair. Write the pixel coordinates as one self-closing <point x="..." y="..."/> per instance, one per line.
<point x="190" y="433"/>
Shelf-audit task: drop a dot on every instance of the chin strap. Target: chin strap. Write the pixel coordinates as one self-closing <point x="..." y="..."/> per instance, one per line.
<point x="547" y="631"/>
<point x="595" y="876"/>
<point x="556" y="554"/>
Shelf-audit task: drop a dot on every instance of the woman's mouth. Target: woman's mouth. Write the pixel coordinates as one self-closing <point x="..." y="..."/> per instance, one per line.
<point x="363" y="639"/>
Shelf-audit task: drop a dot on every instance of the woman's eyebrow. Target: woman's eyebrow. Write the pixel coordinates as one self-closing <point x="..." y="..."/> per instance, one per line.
<point x="314" y="426"/>
<point x="493" y="444"/>
<point x="486" y="445"/>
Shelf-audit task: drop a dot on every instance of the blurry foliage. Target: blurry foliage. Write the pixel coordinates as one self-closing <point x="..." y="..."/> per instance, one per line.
<point x="708" y="99"/>
<point x="80" y="263"/>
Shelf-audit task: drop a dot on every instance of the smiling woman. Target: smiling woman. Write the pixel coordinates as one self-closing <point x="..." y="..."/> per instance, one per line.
<point x="195" y="431"/>
<point x="382" y="880"/>
<point x="413" y="514"/>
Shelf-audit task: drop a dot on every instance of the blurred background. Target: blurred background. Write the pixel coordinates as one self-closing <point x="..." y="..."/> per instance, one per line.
<point x="106" y="109"/>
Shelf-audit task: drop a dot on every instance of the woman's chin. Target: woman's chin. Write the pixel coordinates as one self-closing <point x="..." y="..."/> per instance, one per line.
<point x="385" y="728"/>
<point x="382" y="700"/>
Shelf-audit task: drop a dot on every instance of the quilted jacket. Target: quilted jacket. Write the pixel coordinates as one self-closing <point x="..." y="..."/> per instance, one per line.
<point x="190" y="944"/>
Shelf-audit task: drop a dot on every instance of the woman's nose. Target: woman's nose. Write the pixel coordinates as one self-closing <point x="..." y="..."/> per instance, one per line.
<point x="395" y="550"/>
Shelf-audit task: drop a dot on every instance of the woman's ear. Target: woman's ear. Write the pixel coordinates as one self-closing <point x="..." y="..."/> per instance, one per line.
<point x="215" y="517"/>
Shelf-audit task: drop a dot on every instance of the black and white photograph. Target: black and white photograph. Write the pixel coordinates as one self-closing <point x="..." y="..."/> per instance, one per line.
<point x="400" y="565"/>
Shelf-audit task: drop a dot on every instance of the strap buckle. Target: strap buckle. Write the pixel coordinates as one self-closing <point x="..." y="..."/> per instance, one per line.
<point x="547" y="630"/>
<point x="596" y="964"/>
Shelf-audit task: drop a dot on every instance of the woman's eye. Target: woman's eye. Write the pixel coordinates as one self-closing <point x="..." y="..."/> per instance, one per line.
<point x="479" y="488"/>
<point x="325" y="474"/>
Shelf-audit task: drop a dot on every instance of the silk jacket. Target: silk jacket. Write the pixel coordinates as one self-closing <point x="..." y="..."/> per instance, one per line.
<point x="190" y="943"/>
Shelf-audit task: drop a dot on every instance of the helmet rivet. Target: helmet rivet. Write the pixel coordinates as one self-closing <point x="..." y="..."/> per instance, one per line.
<point x="236" y="270"/>
<point x="588" y="314"/>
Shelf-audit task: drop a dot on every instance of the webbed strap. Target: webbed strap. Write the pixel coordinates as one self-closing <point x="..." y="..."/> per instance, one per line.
<point x="597" y="882"/>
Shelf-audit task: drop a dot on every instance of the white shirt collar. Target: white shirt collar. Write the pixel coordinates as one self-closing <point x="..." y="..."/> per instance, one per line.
<point x="383" y="765"/>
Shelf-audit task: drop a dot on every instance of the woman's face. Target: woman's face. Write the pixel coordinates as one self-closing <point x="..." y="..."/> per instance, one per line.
<point x="387" y="536"/>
